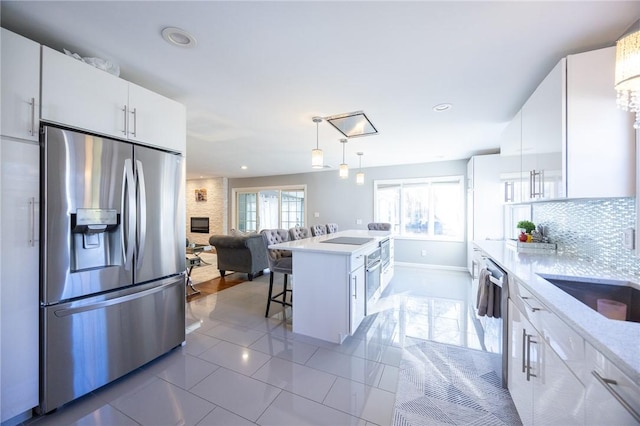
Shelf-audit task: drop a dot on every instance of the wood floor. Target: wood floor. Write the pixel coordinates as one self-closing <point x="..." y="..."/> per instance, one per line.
<point x="215" y="285"/>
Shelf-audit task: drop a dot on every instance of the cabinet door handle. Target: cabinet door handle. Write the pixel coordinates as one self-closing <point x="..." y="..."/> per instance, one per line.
<point x="125" y="120"/>
<point x="539" y="193"/>
<point x="135" y="122"/>
<point x="607" y="383"/>
<point x="355" y="286"/>
<point x="32" y="130"/>
<point x="32" y="205"/>
<point x="529" y="342"/>
<point x="524" y="343"/>
<point x="508" y="192"/>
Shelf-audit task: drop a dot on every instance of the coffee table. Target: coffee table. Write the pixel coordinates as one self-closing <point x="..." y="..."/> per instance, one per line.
<point x="195" y="261"/>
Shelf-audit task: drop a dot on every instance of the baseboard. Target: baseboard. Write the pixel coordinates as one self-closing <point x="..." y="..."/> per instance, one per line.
<point x="432" y="266"/>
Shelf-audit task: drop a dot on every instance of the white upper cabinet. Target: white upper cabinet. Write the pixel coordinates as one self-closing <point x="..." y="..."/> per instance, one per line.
<point x="78" y="95"/>
<point x="600" y="137"/>
<point x="81" y="96"/>
<point x="543" y="137"/>
<point x="156" y="119"/>
<point x="20" y="86"/>
<point x="574" y="141"/>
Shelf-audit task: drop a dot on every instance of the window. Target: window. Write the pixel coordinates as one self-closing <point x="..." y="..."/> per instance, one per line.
<point x="268" y="208"/>
<point x="430" y="208"/>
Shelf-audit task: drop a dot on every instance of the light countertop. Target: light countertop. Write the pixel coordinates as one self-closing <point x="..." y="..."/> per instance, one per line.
<point x="617" y="340"/>
<point x="316" y="244"/>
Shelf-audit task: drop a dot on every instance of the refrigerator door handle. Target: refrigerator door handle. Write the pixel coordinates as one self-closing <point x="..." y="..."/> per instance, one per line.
<point x="128" y="204"/>
<point x="65" y="312"/>
<point x="142" y="217"/>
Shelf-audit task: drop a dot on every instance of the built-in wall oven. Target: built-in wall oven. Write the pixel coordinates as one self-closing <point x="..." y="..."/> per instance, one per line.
<point x="489" y="305"/>
<point x="373" y="263"/>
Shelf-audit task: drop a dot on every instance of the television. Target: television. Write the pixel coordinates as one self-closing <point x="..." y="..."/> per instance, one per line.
<point x="200" y="225"/>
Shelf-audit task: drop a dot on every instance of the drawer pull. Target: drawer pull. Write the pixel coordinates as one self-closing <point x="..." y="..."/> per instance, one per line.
<point x="607" y="383"/>
<point x="524" y="300"/>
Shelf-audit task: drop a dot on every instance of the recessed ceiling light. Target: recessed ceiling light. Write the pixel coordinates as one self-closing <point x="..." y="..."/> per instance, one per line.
<point x="442" y="107"/>
<point x="243" y="167"/>
<point x="178" y="37"/>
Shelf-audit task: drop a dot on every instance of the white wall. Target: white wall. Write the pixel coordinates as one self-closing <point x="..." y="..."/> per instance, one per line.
<point x="343" y="202"/>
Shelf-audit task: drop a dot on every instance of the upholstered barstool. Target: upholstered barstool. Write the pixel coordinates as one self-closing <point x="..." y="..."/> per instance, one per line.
<point x="332" y="228"/>
<point x="317" y="230"/>
<point x="379" y="226"/>
<point x="299" y="233"/>
<point x="279" y="261"/>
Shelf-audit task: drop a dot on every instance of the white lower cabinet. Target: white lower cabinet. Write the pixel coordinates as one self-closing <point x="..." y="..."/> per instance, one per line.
<point x="611" y="397"/>
<point x="519" y="383"/>
<point x="544" y="389"/>
<point x="557" y="393"/>
<point x="19" y="268"/>
<point x="332" y="282"/>
<point x="358" y="297"/>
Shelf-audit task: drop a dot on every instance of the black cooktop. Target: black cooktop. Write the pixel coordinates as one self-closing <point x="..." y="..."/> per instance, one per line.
<point x="356" y="241"/>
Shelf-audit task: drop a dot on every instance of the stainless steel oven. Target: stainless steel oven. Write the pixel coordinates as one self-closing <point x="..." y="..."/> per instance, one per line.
<point x="373" y="262"/>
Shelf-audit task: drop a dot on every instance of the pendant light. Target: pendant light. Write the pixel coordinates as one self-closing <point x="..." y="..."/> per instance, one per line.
<point x="360" y="174"/>
<point x="317" y="159"/>
<point x="627" y="74"/>
<point x="344" y="168"/>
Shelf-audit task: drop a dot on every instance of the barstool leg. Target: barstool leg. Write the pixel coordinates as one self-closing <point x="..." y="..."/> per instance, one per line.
<point x="269" y="295"/>
<point x="284" y="292"/>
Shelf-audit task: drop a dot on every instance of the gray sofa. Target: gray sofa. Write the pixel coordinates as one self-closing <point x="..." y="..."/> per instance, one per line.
<point x="245" y="253"/>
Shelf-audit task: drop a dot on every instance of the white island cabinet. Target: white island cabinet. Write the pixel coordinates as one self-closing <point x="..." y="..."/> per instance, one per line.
<point x="329" y="293"/>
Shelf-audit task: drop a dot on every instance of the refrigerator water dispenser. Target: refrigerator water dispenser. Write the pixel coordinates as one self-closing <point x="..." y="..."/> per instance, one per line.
<point x="91" y="247"/>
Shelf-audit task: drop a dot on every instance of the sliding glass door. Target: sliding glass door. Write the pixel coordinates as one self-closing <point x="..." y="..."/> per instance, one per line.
<point x="269" y="208"/>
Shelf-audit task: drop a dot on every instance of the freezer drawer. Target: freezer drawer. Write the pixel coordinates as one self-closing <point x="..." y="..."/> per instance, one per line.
<point x="89" y="343"/>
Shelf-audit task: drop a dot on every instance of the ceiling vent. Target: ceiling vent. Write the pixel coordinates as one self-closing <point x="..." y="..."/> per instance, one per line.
<point x="352" y="124"/>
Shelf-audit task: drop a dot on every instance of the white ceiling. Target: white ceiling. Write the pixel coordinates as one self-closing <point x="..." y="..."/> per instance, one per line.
<point x="261" y="70"/>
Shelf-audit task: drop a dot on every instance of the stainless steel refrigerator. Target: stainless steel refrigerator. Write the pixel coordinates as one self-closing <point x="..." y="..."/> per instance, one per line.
<point x="112" y="294"/>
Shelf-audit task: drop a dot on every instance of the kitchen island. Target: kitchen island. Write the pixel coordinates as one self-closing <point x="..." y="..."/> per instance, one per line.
<point x="329" y="293"/>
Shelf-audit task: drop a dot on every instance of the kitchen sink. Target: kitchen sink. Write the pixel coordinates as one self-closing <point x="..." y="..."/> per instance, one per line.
<point x="588" y="291"/>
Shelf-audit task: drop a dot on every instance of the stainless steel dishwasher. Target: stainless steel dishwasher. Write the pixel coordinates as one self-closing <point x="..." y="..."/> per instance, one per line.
<point x="492" y="325"/>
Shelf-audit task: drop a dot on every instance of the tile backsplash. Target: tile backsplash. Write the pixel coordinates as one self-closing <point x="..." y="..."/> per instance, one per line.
<point x="591" y="230"/>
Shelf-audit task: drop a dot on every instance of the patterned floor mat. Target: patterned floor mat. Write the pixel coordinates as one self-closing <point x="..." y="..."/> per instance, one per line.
<point x="442" y="384"/>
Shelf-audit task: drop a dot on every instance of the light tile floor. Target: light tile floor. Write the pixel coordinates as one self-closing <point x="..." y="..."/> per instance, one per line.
<point x="240" y="368"/>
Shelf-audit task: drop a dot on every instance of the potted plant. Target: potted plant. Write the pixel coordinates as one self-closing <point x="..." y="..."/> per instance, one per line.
<point x="526" y="226"/>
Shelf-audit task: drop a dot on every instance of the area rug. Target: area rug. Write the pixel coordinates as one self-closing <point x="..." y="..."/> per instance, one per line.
<point x="442" y="384"/>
